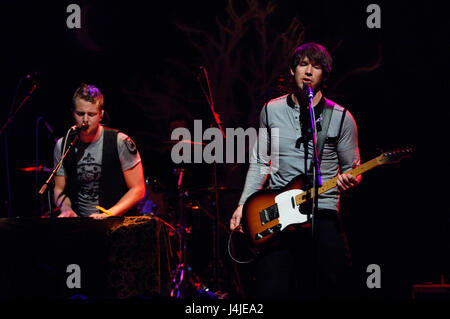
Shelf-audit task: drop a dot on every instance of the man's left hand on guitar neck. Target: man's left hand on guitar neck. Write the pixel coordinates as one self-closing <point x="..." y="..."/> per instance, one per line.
<point x="346" y="182"/>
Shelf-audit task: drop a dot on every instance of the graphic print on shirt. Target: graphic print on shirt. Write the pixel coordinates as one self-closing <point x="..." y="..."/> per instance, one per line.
<point x="89" y="173"/>
<point x="130" y="146"/>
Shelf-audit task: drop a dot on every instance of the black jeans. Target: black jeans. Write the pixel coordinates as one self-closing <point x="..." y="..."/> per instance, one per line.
<point x="299" y="267"/>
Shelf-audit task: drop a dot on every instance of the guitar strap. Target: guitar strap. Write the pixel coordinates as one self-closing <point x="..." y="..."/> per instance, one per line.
<point x="322" y="135"/>
<point x="269" y="136"/>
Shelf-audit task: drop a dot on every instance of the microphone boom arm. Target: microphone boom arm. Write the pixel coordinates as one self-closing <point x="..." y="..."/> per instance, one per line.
<point x="9" y="120"/>
<point x="44" y="187"/>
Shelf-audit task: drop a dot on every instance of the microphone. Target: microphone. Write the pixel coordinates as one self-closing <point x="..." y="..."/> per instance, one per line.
<point x="308" y="90"/>
<point x="199" y="73"/>
<point x="49" y="128"/>
<point x="80" y="127"/>
<point x="33" y="76"/>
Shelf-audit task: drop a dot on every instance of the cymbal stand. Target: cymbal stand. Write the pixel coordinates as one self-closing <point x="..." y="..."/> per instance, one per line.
<point x="179" y="277"/>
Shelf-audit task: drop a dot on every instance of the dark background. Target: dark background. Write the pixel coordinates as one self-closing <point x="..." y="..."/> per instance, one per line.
<point x="393" y="80"/>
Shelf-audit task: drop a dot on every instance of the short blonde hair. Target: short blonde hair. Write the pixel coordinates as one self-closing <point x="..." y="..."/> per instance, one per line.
<point x="88" y="93"/>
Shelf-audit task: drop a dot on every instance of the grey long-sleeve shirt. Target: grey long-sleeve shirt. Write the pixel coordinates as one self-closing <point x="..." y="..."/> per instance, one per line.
<point x="286" y="161"/>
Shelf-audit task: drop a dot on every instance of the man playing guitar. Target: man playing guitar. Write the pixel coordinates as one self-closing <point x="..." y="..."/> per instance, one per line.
<point x="289" y="270"/>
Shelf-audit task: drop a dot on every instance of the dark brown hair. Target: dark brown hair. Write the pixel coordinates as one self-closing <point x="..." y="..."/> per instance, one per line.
<point x="316" y="53"/>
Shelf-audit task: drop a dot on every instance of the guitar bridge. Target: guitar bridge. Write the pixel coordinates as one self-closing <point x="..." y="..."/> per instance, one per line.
<point x="268" y="231"/>
<point x="269" y="214"/>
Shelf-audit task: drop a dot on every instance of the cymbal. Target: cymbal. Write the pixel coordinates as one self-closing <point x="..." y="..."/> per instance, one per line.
<point x="167" y="145"/>
<point x="173" y="142"/>
<point x="39" y="168"/>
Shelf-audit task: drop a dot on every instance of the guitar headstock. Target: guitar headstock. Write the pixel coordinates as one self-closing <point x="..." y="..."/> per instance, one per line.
<point x="395" y="155"/>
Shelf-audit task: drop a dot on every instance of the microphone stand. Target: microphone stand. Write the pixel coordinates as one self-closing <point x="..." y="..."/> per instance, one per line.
<point x="44" y="187"/>
<point x="39" y="204"/>
<point x="11" y="117"/>
<point x="3" y="128"/>
<point x="317" y="180"/>
<point x="36" y="173"/>
<point x="216" y="234"/>
<point x="317" y="177"/>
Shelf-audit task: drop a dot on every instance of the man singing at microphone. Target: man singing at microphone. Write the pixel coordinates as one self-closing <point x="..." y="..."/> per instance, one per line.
<point x="289" y="270"/>
<point x="102" y="174"/>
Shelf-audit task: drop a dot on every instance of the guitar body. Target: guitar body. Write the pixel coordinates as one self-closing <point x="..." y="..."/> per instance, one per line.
<point x="267" y="212"/>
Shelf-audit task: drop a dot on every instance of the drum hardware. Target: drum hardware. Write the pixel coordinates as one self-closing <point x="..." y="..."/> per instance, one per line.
<point x="180" y="277"/>
<point x="184" y="281"/>
<point x="211" y="189"/>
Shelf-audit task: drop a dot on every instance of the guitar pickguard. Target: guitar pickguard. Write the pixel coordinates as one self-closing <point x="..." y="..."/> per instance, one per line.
<point x="288" y="211"/>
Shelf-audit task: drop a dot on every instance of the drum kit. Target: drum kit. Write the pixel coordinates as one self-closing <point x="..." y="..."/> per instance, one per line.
<point x="192" y="213"/>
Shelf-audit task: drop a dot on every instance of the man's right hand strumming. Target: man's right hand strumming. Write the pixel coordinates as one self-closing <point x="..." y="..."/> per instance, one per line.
<point x="235" y="220"/>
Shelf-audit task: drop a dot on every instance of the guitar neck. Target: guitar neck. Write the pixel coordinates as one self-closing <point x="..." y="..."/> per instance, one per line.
<point x="358" y="170"/>
<point x="333" y="182"/>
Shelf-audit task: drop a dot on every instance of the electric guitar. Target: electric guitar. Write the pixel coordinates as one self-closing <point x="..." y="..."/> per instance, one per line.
<point x="268" y="212"/>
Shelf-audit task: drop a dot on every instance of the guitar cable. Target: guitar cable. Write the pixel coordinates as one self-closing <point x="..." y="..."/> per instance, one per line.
<point x="229" y="248"/>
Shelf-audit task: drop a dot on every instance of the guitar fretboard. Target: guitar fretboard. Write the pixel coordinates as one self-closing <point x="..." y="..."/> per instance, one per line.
<point x="303" y="197"/>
